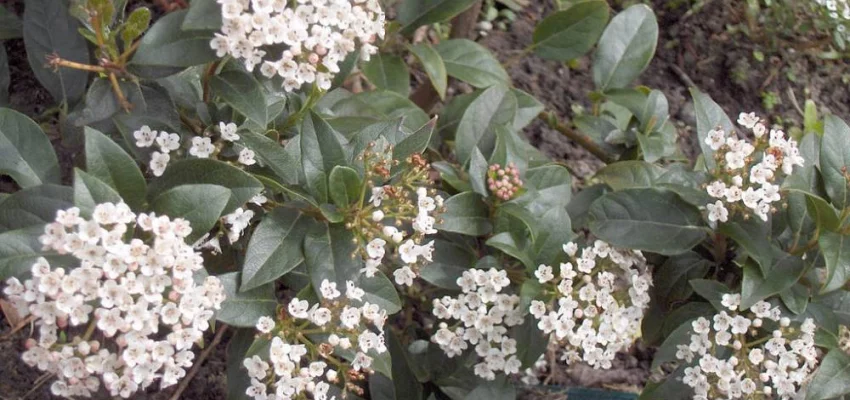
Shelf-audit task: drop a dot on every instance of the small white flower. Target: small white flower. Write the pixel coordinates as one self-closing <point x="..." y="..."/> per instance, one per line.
<point x="378" y="216"/>
<point x="145" y="137"/>
<point x="202" y="147"/>
<point x="246" y="157"/>
<point x="404" y="276"/>
<point x="408" y="252"/>
<point x="228" y="131"/>
<point x="329" y="290"/>
<point x="748" y="120"/>
<point x="168" y="142"/>
<point x="376" y="248"/>
<point x="159" y="162"/>
<point x="265" y="324"/>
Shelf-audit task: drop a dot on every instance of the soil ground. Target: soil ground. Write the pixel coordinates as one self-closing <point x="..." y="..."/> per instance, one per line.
<point x="699" y="48"/>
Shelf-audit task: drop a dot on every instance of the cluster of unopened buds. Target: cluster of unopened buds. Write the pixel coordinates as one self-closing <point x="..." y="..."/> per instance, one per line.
<point x="397" y="217"/>
<point x="743" y="182"/>
<point x="296" y="366"/>
<point x="201" y="146"/>
<point x="753" y="355"/>
<point x="318" y="35"/>
<point x="597" y="302"/>
<point x="481" y="317"/>
<point x="129" y="314"/>
<point x="504" y="183"/>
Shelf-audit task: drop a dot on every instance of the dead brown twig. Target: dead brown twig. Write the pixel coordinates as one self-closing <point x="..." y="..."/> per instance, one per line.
<point x="197" y="367"/>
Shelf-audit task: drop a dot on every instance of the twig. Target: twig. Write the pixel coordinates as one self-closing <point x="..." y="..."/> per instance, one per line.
<point x="794" y="102"/>
<point x="683" y="76"/>
<point x="15" y="329"/>
<point x="581" y="139"/>
<point x="197" y="367"/>
<point x="55" y="61"/>
<point x="38" y="384"/>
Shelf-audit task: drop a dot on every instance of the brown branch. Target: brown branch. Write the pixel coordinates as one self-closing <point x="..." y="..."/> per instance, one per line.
<point x="580" y="139"/>
<point x="197" y="367"/>
<point x="55" y="61"/>
<point x="18" y="327"/>
<point x="208" y="74"/>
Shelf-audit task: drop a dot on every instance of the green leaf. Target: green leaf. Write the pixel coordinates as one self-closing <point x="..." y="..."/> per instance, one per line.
<point x="835" y="160"/>
<point x="137" y="23"/>
<point x="709" y="116"/>
<point x="549" y="186"/>
<point x="671" y="279"/>
<point x="201" y="205"/>
<point x="25" y="151"/>
<point x="10" y="26"/>
<point x="555" y="230"/>
<point x="433" y="65"/>
<point x="370" y="107"/>
<point x="200" y="171"/>
<point x="478" y="166"/>
<point x="345" y="185"/>
<point x="507" y="244"/>
<point x="49" y="28"/>
<point x="243" y="308"/>
<point x="472" y="63"/>
<point x="712" y="291"/>
<point x="415" y="13"/>
<point x="388" y="72"/>
<point x="667" y="351"/>
<point x="101" y="103"/>
<point x="782" y="275"/>
<point x="451" y="259"/>
<point x="5" y="78"/>
<point x="467" y="214"/>
<point x="499" y="389"/>
<point x="20" y="248"/>
<point x="90" y="191"/>
<point x="107" y="161"/>
<point x="625" y="48"/>
<point x="528" y="108"/>
<point x="832" y="379"/>
<point x="166" y="49"/>
<point x="569" y="34"/>
<point x="477" y="128"/>
<point x="630" y="174"/>
<point x="531" y="342"/>
<point x="836" y="253"/>
<point x="415" y="143"/>
<point x="203" y="15"/>
<point x="273" y="156"/>
<point x="242" y="92"/>
<point x="510" y="149"/>
<point x="796" y="298"/>
<point x="404" y="380"/>
<point x="321" y="151"/>
<point x="648" y="219"/>
<point x="753" y="235"/>
<point x="274" y="248"/>
<point x="237" y="376"/>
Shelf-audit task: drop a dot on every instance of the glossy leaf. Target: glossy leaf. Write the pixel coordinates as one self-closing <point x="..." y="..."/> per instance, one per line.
<point x="625" y="48"/>
<point x="201" y="205"/>
<point x="273" y="156"/>
<point x="345" y="186"/>
<point x="832" y="379"/>
<point x="477" y="128"/>
<point x="5" y="78"/>
<point x="243" y="308"/>
<point x="321" y="151"/>
<point x="836" y="254"/>
<point x="166" y="49"/>
<point x="630" y="174"/>
<point x="709" y="116"/>
<point x="25" y="151"/>
<point x="415" y="143"/>
<point x="508" y="244"/>
<point x="783" y="274"/>
<point x="275" y="247"/>
<point x="205" y="171"/>
<point x="466" y="214"/>
<point x="753" y="235"/>
<point x="671" y="280"/>
<point x="472" y="63"/>
<point x="648" y="219"/>
<point x="415" y="13"/>
<point x="835" y="160"/>
<point x="49" y="28"/>
<point x="242" y="92"/>
<point x="388" y="72"/>
<point x="712" y="291"/>
<point x="10" y="25"/>
<point x="203" y="15"/>
<point x="433" y="65"/>
<point x="107" y="161"/>
<point x="90" y="191"/>
<point x="569" y="34"/>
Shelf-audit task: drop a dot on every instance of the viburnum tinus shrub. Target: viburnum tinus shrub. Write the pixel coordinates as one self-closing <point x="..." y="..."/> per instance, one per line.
<point x="262" y="168"/>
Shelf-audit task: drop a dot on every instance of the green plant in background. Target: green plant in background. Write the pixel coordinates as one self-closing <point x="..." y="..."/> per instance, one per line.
<point x="269" y="171"/>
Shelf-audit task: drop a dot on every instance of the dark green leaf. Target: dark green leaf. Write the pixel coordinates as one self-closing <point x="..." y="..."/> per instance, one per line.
<point x="630" y="174"/>
<point x="388" y="72"/>
<point x="273" y="156"/>
<point x="370" y="107"/>
<point x="25" y="151"/>
<point x="166" y="49"/>
<point x="433" y="65"/>
<point x="242" y="92"/>
<point x="200" y="171"/>
<point x="832" y="379"/>
<point x="579" y="206"/>
<point x="203" y="15"/>
<point x="549" y="186"/>
<point x="415" y="143"/>
<point x="671" y="279"/>
<point x="625" y="48"/>
<point x="835" y="160"/>
<point x="20" y="248"/>
<point x="569" y="34"/>
<point x="237" y="376"/>
<point x="648" y="219"/>
<point x="201" y="205"/>
<point x="472" y="63"/>
<point x="531" y="342"/>
<point x="836" y="253"/>
<point x="49" y="28"/>
<point x="467" y="214"/>
<point x="415" y="13"/>
<point x="90" y="191"/>
<point x="477" y="128"/>
<point x="274" y="248"/>
<point x="709" y="116"/>
<point x="10" y="25"/>
<point x="507" y="244"/>
<point x="478" y="173"/>
<point x="712" y="291"/>
<point x="555" y="230"/>
<point x="345" y="185"/>
<point x="782" y="275"/>
<point x="107" y="161"/>
<point x="667" y="351"/>
<point x="5" y="78"/>
<point x="528" y="109"/>
<point x="510" y="149"/>
<point x="796" y="298"/>
<point x="404" y="380"/>
<point x="321" y="151"/>
<point x="450" y="261"/>
<point x="754" y="236"/>
<point x="101" y="103"/>
<point x="243" y="308"/>
<point x="499" y="389"/>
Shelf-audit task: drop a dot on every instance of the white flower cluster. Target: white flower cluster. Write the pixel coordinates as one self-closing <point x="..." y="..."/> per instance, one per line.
<point x="318" y="35"/>
<point x="409" y="251"/>
<point x="296" y="372"/>
<point x="143" y="309"/>
<point x="744" y="181"/>
<point x="839" y="11"/>
<point x="202" y="147"/>
<point x="601" y="298"/>
<point x="740" y="356"/>
<point x="484" y="315"/>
